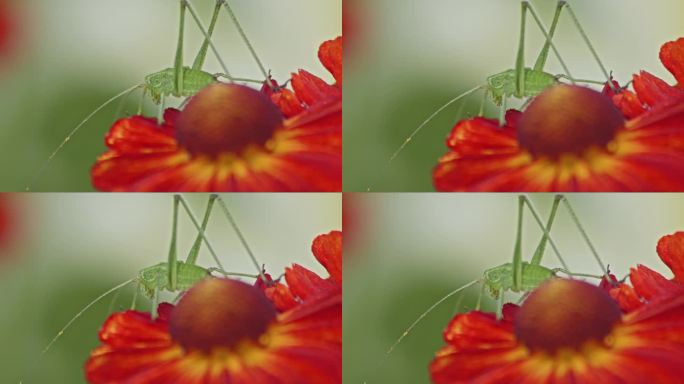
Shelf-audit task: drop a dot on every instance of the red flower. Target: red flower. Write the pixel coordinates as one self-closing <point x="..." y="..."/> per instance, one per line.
<point x="303" y="285"/>
<point x="648" y="284"/>
<point x="5" y="25"/>
<point x="645" y="153"/>
<point x="11" y="225"/>
<point x="9" y="15"/>
<point x="238" y="338"/>
<point x="556" y="338"/>
<point x="191" y="151"/>
<point x="5" y="219"/>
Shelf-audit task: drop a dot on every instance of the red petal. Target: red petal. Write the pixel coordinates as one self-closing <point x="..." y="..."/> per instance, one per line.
<point x="328" y="251"/>
<point x="330" y="54"/>
<point x="480" y="151"/>
<point x="288" y="102"/>
<point x="672" y="56"/>
<point x="671" y="250"/>
<point x="281" y="296"/>
<point x="476" y="343"/>
<point x="629" y="104"/>
<point x="129" y="134"/>
<point x="608" y="283"/>
<point x="132" y="344"/>
<point x="650" y="284"/>
<point x="304" y="283"/>
<point x="120" y="172"/>
<point x="654" y="91"/>
<point x="312" y="90"/>
<point x="456" y="367"/>
<point x="626" y="297"/>
<point x="479" y="330"/>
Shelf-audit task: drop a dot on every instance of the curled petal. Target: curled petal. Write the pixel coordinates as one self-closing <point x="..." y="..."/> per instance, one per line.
<point x="654" y="91"/>
<point x="628" y="102"/>
<point x="671" y="250"/>
<point x="330" y="54"/>
<point x="626" y="297"/>
<point x="281" y="296"/>
<point x="650" y="284"/>
<point x="328" y="251"/>
<point x="304" y="283"/>
<point x="312" y="89"/>
<point x="672" y="56"/>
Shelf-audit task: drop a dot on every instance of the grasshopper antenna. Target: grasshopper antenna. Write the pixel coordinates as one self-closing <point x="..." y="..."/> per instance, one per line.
<point x="82" y="311"/>
<point x="73" y="132"/>
<point x="79" y="314"/>
<point x="420" y="318"/>
<point x="432" y="116"/>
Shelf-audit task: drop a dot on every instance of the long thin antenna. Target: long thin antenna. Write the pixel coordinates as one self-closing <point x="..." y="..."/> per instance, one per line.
<point x="102" y="296"/>
<point x="432" y="116"/>
<point x="73" y="132"/>
<point x="420" y="318"/>
<point x="233" y="223"/>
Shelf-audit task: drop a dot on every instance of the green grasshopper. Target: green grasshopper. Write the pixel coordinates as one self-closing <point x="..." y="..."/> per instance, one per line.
<point x="523" y="82"/>
<point x="179" y="81"/>
<point x="173" y="275"/>
<point x="520" y="276"/>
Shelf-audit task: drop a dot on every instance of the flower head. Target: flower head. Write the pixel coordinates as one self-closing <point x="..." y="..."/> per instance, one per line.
<point x="566" y="332"/>
<point x="234" y="138"/>
<point x="222" y="331"/>
<point x="571" y="139"/>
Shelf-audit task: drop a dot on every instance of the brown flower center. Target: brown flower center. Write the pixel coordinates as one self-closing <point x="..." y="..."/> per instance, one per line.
<point x="226" y="118"/>
<point x="220" y="313"/>
<point x="568" y="119"/>
<point x="564" y="313"/>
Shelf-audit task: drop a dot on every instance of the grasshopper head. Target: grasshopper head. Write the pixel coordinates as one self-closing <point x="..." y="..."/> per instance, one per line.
<point x="501" y="85"/>
<point x="497" y="278"/>
<point x="160" y="83"/>
<point x="152" y="278"/>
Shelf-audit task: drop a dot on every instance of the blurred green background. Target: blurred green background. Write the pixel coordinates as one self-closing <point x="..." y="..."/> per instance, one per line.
<point x="72" y="55"/>
<point x="67" y="249"/>
<point x="412" y="249"/>
<point x="411" y="57"/>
